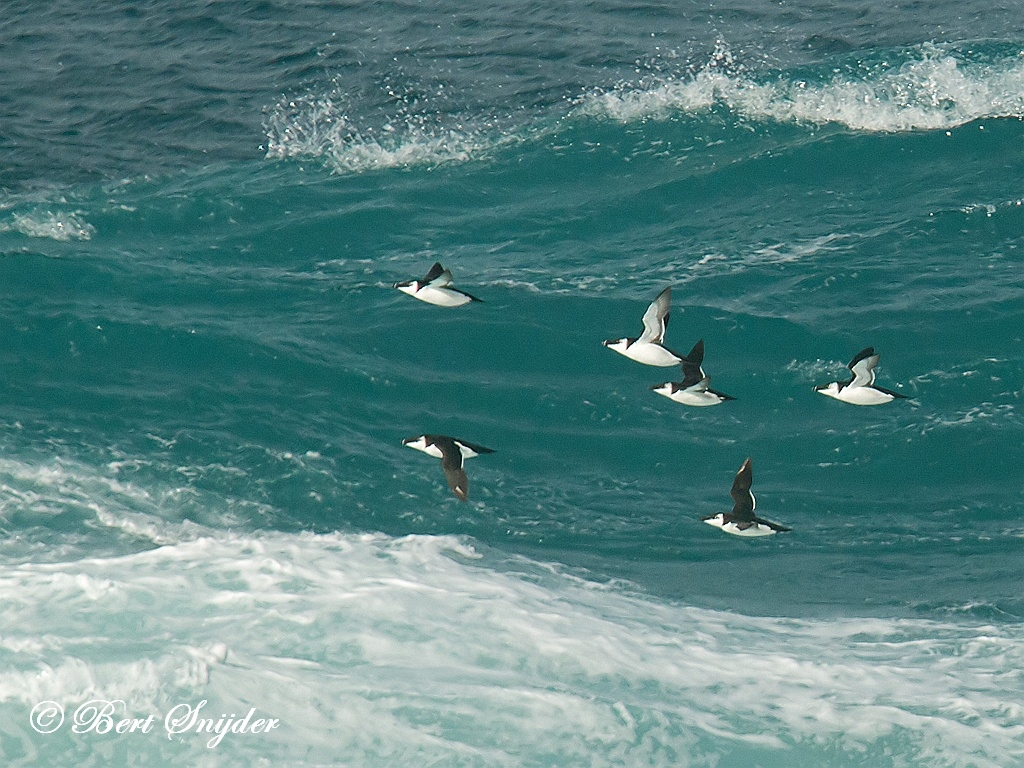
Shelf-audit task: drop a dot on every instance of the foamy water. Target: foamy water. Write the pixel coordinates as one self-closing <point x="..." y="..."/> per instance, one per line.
<point x="422" y="649"/>
<point x="933" y="90"/>
<point x="320" y="128"/>
<point x="56" y="226"/>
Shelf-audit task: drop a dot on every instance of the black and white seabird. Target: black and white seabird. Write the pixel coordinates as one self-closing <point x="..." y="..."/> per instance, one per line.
<point x="648" y="347"/>
<point x="693" y="389"/>
<point x="742" y="521"/>
<point x="436" y="288"/>
<point x="452" y="453"/>
<point x="860" y="389"/>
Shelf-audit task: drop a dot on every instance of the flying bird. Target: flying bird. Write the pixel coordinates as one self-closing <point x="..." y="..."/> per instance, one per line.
<point x="742" y="521"/>
<point x="860" y="389"/>
<point x="452" y="453"/>
<point x="436" y="288"/>
<point x="648" y="347"/>
<point x="694" y="389"/>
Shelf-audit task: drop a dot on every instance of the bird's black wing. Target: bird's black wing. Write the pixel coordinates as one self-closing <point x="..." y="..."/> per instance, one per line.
<point x="435" y="272"/>
<point x="692" y="371"/>
<point x="743" y="499"/>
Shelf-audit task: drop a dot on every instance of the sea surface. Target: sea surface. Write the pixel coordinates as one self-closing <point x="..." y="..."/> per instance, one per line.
<point x="206" y="375"/>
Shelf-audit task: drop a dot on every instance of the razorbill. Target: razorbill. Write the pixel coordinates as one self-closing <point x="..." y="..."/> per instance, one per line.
<point x="648" y="348"/>
<point x="742" y="521"/>
<point x="436" y="288"/>
<point x="860" y="389"/>
<point x="452" y="453"/>
<point x="693" y="389"/>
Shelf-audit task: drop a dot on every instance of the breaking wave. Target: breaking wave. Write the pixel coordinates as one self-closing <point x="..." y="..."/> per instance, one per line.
<point x="56" y="226"/>
<point x="318" y="127"/>
<point x="422" y="650"/>
<point x="936" y="89"/>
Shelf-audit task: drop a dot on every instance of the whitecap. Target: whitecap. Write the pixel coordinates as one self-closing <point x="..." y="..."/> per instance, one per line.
<point x="106" y="506"/>
<point x="937" y="89"/>
<point x="319" y="128"/>
<point x="424" y="650"/>
<point x="56" y="226"/>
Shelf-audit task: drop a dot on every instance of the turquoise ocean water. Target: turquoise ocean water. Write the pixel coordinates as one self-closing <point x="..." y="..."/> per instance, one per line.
<point x="206" y="376"/>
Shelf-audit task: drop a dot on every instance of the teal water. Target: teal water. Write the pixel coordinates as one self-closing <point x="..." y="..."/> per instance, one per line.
<point x="207" y="376"/>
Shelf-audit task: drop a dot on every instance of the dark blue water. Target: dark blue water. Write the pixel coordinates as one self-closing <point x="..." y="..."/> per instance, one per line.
<point x="207" y="377"/>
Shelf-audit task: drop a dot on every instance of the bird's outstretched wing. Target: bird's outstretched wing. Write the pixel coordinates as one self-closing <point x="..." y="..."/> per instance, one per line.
<point x="656" y="318"/>
<point x="863" y="368"/>
<point x="438" y="276"/>
<point x="743" y="499"/>
<point x="451" y="463"/>
<point x="457" y="481"/>
<point x="692" y="371"/>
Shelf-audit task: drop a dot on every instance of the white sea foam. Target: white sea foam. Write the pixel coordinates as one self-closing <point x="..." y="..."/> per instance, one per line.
<point x="420" y="650"/>
<point x="788" y="253"/>
<point x="689" y="269"/>
<point x="990" y="209"/>
<point x="62" y="226"/>
<point x="319" y="128"/>
<point x="937" y="89"/>
<point x="992" y="415"/>
<point x="106" y="504"/>
<point x="816" y="371"/>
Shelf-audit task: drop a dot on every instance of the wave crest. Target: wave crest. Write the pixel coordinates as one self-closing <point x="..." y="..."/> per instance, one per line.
<point x="443" y="653"/>
<point x="56" y="226"/>
<point x="319" y="128"/>
<point x="937" y="89"/>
